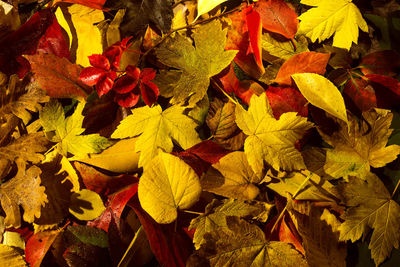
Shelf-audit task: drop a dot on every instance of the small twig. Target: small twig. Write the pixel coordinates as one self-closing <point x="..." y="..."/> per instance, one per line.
<point x="225" y="93"/>
<point x="395" y="189"/>
<point x="294" y="196"/>
<point x="188" y="27"/>
<point x="193" y="212"/>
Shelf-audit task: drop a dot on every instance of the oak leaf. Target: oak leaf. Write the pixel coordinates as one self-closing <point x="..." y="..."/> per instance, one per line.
<point x="23" y="190"/>
<point x="363" y="146"/>
<point x="340" y="18"/>
<point x="371" y="206"/>
<point x="198" y="64"/>
<point x="157" y="129"/>
<point x="270" y="139"/>
<point x="57" y="76"/>
<point x="244" y="244"/>
<point x="168" y="184"/>
<point x="67" y="131"/>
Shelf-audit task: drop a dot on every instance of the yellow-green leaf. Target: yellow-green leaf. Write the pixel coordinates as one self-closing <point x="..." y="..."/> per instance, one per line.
<point x="86" y="205"/>
<point x="168" y="184"/>
<point x="10" y="257"/>
<point x="204" y="6"/>
<point x="67" y="131"/>
<point x="282" y="49"/>
<point x="198" y="64"/>
<point x="322" y="93"/>
<point x="82" y="31"/>
<point x="120" y="157"/>
<point x="157" y="129"/>
<point x="340" y="18"/>
<point x="270" y="139"/>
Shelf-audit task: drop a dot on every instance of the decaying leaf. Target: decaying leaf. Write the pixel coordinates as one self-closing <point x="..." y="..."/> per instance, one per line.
<point x="198" y="64"/>
<point x="157" y="129"/>
<point x="67" y="131"/>
<point x="244" y="244"/>
<point x="270" y="139"/>
<point x="23" y="190"/>
<point x="168" y="184"/>
<point x="371" y="206"/>
<point x="363" y="146"/>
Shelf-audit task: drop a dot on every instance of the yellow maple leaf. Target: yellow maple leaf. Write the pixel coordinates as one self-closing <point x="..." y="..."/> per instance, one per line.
<point x="360" y="147"/>
<point x="270" y="139"/>
<point x="84" y="36"/>
<point x="157" y="129"/>
<point x="340" y="18"/>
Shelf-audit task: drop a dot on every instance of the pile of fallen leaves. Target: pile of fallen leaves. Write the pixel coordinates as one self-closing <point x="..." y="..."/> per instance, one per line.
<point x="199" y="133"/>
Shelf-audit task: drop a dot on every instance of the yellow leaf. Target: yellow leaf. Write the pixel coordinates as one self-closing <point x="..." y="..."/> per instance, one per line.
<point x="360" y="147"/>
<point x="322" y="93"/>
<point x="204" y="6"/>
<point x="67" y="167"/>
<point x="157" y="129"/>
<point x="82" y="32"/>
<point x="86" y="205"/>
<point x="168" y="184"/>
<point x="23" y="190"/>
<point x="270" y="139"/>
<point x="339" y="17"/>
<point x="120" y="157"/>
<point x="232" y="177"/>
<point x="13" y="239"/>
<point x="10" y="257"/>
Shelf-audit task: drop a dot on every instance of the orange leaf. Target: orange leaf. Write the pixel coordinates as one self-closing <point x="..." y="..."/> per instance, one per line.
<point x="57" y="76"/>
<point x="277" y="16"/>
<point x="306" y="62"/>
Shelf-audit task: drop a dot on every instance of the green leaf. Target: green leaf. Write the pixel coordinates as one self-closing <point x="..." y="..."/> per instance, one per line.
<point x="270" y="139"/>
<point x="90" y="235"/>
<point x="244" y="244"/>
<point x="86" y="205"/>
<point x="168" y="184"/>
<point x="157" y="129"/>
<point x="322" y="93"/>
<point x="67" y="132"/>
<point x="371" y="206"/>
<point x="339" y="17"/>
<point x="198" y="64"/>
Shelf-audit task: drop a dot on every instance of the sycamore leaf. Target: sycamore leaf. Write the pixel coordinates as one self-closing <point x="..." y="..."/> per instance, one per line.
<point x="80" y="26"/>
<point x="67" y="131"/>
<point x="23" y="190"/>
<point x="215" y="215"/>
<point x="363" y="146"/>
<point x="371" y="206"/>
<point x="270" y="139"/>
<point x="317" y="188"/>
<point x="232" y="177"/>
<point x="198" y="64"/>
<point x="244" y="244"/>
<point x="339" y="17"/>
<point x="86" y="205"/>
<point x="157" y="129"/>
<point x="9" y="256"/>
<point x="204" y="6"/>
<point x="322" y="93"/>
<point x="283" y="49"/>
<point x="168" y="184"/>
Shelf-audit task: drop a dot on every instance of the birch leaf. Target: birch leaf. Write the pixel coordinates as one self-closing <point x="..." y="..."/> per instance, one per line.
<point x="322" y="93"/>
<point x="168" y="184"/>
<point x="340" y="18"/>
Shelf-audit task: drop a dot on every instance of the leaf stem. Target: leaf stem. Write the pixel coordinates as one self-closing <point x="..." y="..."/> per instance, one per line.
<point x="193" y="212"/>
<point x="225" y="93"/>
<point x="395" y="189"/>
<point x="125" y="259"/>
<point x="294" y="196"/>
<point x="188" y="27"/>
